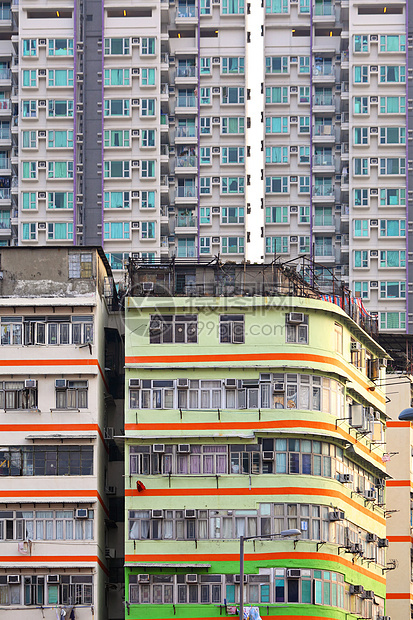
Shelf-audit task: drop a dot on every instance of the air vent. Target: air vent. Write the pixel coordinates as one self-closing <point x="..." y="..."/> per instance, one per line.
<point x="41" y="134"/>
<point x="374" y="38"/>
<point x="374" y="284"/>
<point x="374" y="130"/>
<point x="294" y="239"/>
<point x="42" y="72"/>
<point x="216" y="150"/>
<point x="216" y="90"/>
<point x="374" y="99"/>
<point x="293" y="149"/>
<point x="293" y="89"/>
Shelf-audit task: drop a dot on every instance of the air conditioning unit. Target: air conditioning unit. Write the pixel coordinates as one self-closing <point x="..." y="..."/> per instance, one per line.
<point x="134" y="383"/>
<point x="215" y="240"/>
<point x="216" y="60"/>
<point x="60" y="383"/>
<point x="374" y="223"/>
<point x="42" y="72"/>
<point x="294" y="59"/>
<point x="374" y="37"/>
<point x="293" y="239"/>
<point x="79" y="47"/>
<point x="293" y="89"/>
<point x="383" y="618"/>
<point x="190" y="514"/>
<point x="135" y="255"/>
<point x="293" y="119"/>
<point x="294" y="573"/>
<point x="135" y="102"/>
<point x="216" y="150"/>
<point x="13" y="578"/>
<point x="42" y="41"/>
<point x="135" y="133"/>
<point x="143" y="578"/>
<point x="336" y="515"/>
<point x="147" y="286"/>
<point x="237" y="578"/>
<point x="81" y="513"/>
<point x="374" y="130"/>
<point x="374" y="284"/>
<point x="293" y="209"/>
<point x="135" y="163"/>
<point x="216" y="210"/>
<point x="374" y="253"/>
<point x="374" y="161"/>
<point x="293" y="149"/>
<point x="184" y="448"/>
<point x="41" y="164"/>
<point x="374" y="99"/>
<point x="135" y="225"/>
<point x="215" y="120"/>
<point x="30" y="383"/>
<point x="215" y="180"/>
<point x="155" y="325"/>
<point x="216" y="90"/>
<point x="109" y="432"/>
<point x="368" y="594"/>
<point x="295" y="317"/>
<point x="355" y="548"/>
<point x="157" y="514"/>
<point x="41" y="226"/>
<point x="182" y="383"/>
<point x="110" y="490"/>
<point x="135" y="71"/>
<point x="345" y="478"/>
<point x="230" y="384"/>
<point x="374" y="69"/>
<point x="382" y="542"/>
<point x="41" y="134"/>
<point x="53" y="578"/>
<point x="191" y="578"/>
<point x="79" y="107"/>
<point x="371" y="538"/>
<point x="268" y="456"/>
<point x="110" y="553"/>
<point x="158" y="448"/>
<point x="374" y="191"/>
<point x="42" y="103"/>
<point x="356" y="589"/>
<point x="370" y="494"/>
<point x="278" y="386"/>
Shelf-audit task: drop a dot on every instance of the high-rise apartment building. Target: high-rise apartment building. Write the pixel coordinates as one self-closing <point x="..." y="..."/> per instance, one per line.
<point x="256" y="130"/>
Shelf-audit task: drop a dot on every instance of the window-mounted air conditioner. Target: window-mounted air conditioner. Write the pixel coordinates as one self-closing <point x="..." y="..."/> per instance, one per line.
<point x="135" y="225"/>
<point x="143" y="578"/>
<point x="60" y="383"/>
<point x="184" y="448"/>
<point x="191" y="578"/>
<point x="182" y="383"/>
<point x="13" y="578"/>
<point x="147" y="286"/>
<point x="30" y="383"/>
<point x="295" y="317"/>
<point x="158" y="448"/>
<point x="294" y="573"/>
<point x="53" y="578"/>
<point x="157" y="514"/>
<point x="268" y="456"/>
<point x="336" y="515"/>
<point x="237" y="578"/>
<point x="190" y="514"/>
<point x="81" y="513"/>
<point x="344" y="478"/>
<point x="134" y="383"/>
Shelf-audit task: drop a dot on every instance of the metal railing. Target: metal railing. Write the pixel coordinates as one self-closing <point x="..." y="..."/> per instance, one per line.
<point x="185" y="221"/>
<point x="323" y="190"/>
<point x="323" y="100"/>
<point x="324" y="9"/>
<point x="323" y="160"/>
<point x="185" y="12"/>
<point x="186" y="161"/>
<point x="186" y="192"/>
<point x="186" y="72"/>
<point x="5" y="134"/>
<point x="186" y="101"/>
<point x="324" y="130"/>
<point x="321" y="70"/>
<point x="4" y="163"/>
<point x="5" y="74"/>
<point x="185" y="132"/>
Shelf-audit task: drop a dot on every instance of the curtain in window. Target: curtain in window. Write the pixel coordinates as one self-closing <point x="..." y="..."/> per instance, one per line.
<point x="182" y="464"/>
<point x="60" y="231"/>
<point x="116" y="230"/>
<point x="60" y="78"/>
<point x="392" y="228"/>
<point x="60" y="169"/>
<point x="392" y="259"/>
<point x="392" y="43"/>
<point x="392" y="105"/>
<point x="134" y="530"/>
<point x="195" y="463"/>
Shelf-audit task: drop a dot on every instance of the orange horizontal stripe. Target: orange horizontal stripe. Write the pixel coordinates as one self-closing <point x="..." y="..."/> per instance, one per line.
<point x="397" y="595"/>
<point x="397" y="424"/>
<point x="251" y="557"/>
<point x="294" y="423"/>
<point x="233" y="357"/>
<point x="397" y="483"/>
<point x="255" y="491"/>
<point x="400" y="538"/>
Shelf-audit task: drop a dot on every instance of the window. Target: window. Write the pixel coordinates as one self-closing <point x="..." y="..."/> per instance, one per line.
<point x="119" y="138"/>
<point x="147" y="107"/>
<point x="232" y="94"/>
<point x="276" y="94"/>
<point x="392" y="105"/>
<point x="232" y="245"/>
<point x="304" y="6"/>
<point x="60" y="170"/>
<point x="117" y="107"/>
<point x="392" y="165"/>
<point x="72" y="396"/>
<point x="392" y="228"/>
<point x="116" y="47"/>
<point x="323" y="216"/>
<point x="205" y="66"/>
<point x="148" y="169"/>
<point x="60" y="231"/>
<point x="29" y="170"/>
<point x="29" y="139"/>
<point x="147" y="77"/>
<point x="147" y="230"/>
<point x="276" y="155"/>
<point x="205" y="245"/>
<point x="50" y="460"/>
<point x="205" y="155"/>
<point x="232" y="185"/>
<point x="232" y="155"/>
<point x="231" y="328"/>
<point x="80" y="265"/>
<point x="173" y="328"/>
<point x="204" y="185"/>
<point x="60" y="139"/>
<point x="13" y="394"/>
<point x="205" y="98"/>
<point x="304" y="154"/>
<point x="116" y="230"/>
<point x="304" y="94"/>
<point x="116" y="200"/>
<point x="361" y="259"/>
<point x="29" y="47"/>
<point x="392" y="258"/>
<point x="361" y="74"/>
<point x="361" y="289"/>
<point x="296" y="330"/>
<point x="29" y="109"/>
<point x="276" y="245"/>
<point x="304" y="64"/>
<point x="117" y="260"/>
<point x="60" y="108"/>
<point x="277" y="6"/>
<point x="117" y="169"/>
<point x="30" y="78"/>
<point x="29" y="232"/>
<point x="231" y="124"/>
<point x="232" y="7"/>
<point x="361" y="43"/>
<point x="393" y="290"/>
<point x="277" y="64"/>
<point x="45" y="525"/>
<point x="304" y="245"/>
<point x="205" y="7"/>
<point x="147" y="200"/>
<point x="35" y="590"/>
<point x="361" y="105"/>
<point x="60" y="200"/>
<point x="392" y="135"/>
<point x="276" y="185"/>
<point x="361" y="166"/>
<point x="60" y="77"/>
<point x="361" y="135"/>
<point x="232" y="215"/>
<point x="205" y="215"/>
<point x="233" y="64"/>
<point x="304" y="185"/>
<point x="277" y="124"/>
<point x="393" y="197"/>
<point x="393" y="74"/>
<point x="118" y="77"/>
<point x="393" y="43"/>
<point x="276" y="215"/>
<point x="60" y="47"/>
<point x="361" y="197"/>
<point x="392" y="320"/>
<point x="205" y="125"/>
<point x="304" y="215"/>
<point x="303" y="124"/>
<point x="29" y="200"/>
<point x="148" y="46"/>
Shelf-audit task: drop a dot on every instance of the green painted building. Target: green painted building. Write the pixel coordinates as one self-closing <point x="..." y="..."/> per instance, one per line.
<point x="249" y="414"/>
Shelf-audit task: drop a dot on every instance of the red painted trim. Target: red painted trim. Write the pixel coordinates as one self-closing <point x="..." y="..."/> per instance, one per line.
<point x="400" y="539"/>
<point x="401" y="595"/>
<point x="397" y="483"/>
<point x="397" y="424"/>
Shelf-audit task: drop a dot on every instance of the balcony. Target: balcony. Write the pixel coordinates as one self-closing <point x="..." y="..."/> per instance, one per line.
<point x="5" y="76"/>
<point x="5" y="107"/>
<point x="186" y="194"/>
<point x="324" y="162"/>
<point x="5" y="17"/>
<point x="183" y="133"/>
<point x="5" y="165"/>
<point x="324" y="133"/>
<point x="326" y="252"/>
<point x="324" y="13"/>
<point x="186" y="103"/>
<point x="5" y="227"/>
<point x="186" y="74"/>
<point x="324" y="103"/>
<point x="324" y="73"/>
<point x="186" y="15"/>
<point x="188" y="162"/>
<point x="323" y="193"/>
<point x="5" y="137"/>
<point x="186" y="224"/>
<point x="5" y="195"/>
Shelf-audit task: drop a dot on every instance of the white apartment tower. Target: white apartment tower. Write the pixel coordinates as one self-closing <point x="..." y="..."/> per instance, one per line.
<point x="191" y="128"/>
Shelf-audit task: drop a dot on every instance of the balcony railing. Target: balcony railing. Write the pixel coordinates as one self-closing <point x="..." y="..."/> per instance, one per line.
<point x="5" y="74"/>
<point x="4" y="163"/>
<point x="188" y="101"/>
<point x="5" y="224"/>
<point x="186" y="72"/>
<point x="186" y="252"/>
<point x="164" y="119"/>
<point x="5" y="104"/>
<point x="323" y="100"/>
<point x="5" y="14"/>
<point x="186" y="161"/>
<point x="323" y="160"/>
<point x="323" y="250"/>
<point x="323" y="220"/>
<point x="324" y="130"/>
<point x="186" y="192"/>
<point x="185" y="132"/>
<point x="324" y="9"/>
<point x="321" y="70"/>
<point x="5" y="134"/>
<point x="344" y="56"/>
<point x="4" y="193"/>
<point x="185" y="12"/>
<point x="323" y="190"/>
<point x="186" y="221"/>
